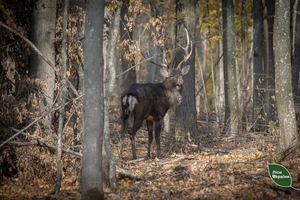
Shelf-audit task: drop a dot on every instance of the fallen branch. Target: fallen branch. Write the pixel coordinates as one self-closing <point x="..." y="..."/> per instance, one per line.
<point x="44" y="114"/>
<point x="282" y="155"/>
<point x="210" y="150"/>
<point x="176" y="160"/>
<point x="21" y="143"/>
<point x="37" y="140"/>
<point x="26" y="127"/>
<point x="122" y="172"/>
<point x="136" y="160"/>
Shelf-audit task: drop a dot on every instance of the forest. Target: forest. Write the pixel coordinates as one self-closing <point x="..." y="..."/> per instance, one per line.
<point x="149" y="99"/>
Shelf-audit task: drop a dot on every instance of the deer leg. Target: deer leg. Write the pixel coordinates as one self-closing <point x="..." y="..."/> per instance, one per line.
<point x="157" y="136"/>
<point x="124" y="130"/>
<point x="135" y="127"/>
<point x="150" y="133"/>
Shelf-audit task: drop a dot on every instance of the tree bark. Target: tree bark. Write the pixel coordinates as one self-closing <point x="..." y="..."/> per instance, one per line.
<point x="258" y="76"/>
<point x="112" y="75"/>
<point x="43" y="23"/>
<point x="269" y="112"/>
<point x="152" y="71"/>
<point x="91" y="185"/>
<point x="284" y="93"/>
<point x="220" y="87"/>
<point x="296" y="50"/>
<point x="186" y="111"/>
<point x="232" y="117"/>
<point x="220" y="78"/>
<point x="63" y="98"/>
<point x="125" y="34"/>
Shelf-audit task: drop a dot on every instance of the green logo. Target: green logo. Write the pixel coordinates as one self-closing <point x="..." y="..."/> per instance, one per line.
<point x="280" y="175"/>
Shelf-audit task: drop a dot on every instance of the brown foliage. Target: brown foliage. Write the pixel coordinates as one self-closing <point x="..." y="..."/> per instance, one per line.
<point x="25" y="159"/>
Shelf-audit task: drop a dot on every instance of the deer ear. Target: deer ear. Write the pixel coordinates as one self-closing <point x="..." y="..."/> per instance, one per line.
<point x="185" y="70"/>
<point x="164" y="72"/>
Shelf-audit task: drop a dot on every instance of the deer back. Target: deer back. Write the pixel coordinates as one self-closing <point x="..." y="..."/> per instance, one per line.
<point x="154" y="100"/>
<point x="144" y="100"/>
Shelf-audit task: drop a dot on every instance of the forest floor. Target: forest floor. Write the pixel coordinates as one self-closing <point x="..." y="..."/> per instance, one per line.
<point x="214" y="166"/>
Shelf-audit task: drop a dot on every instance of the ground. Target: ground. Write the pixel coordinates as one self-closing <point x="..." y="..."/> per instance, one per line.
<point x="213" y="166"/>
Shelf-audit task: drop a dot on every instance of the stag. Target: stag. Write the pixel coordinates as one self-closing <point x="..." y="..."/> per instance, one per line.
<point x="151" y="102"/>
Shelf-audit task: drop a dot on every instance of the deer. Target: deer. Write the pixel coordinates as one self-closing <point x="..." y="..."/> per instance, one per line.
<point x="151" y="101"/>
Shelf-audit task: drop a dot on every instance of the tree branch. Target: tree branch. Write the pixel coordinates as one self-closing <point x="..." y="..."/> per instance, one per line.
<point x="31" y="45"/>
<point x="52" y="65"/>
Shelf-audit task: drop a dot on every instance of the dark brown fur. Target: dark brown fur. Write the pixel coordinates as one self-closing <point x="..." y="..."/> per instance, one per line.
<point x="151" y="102"/>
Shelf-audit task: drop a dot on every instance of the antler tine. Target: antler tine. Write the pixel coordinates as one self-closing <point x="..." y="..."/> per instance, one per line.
<point x="150" y="60"/>
<point x="186" y="49"/>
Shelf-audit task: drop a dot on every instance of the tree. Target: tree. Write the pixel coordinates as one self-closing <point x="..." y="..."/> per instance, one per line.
<point x="232" y="117"/>
<point x="109" y="160"/>
<point x="186" y="111"/>
<point x="63" y="99"/>
<point x="269" y="111"/>
<point x="284" y="93"/>
<point x="296" y="50"/>
<point x="43" y="35"/>
<point x="257" y="64"/>
<point x="126" y="36"/>
<point x="91" y="185"/>
<point x="152" y="71"/>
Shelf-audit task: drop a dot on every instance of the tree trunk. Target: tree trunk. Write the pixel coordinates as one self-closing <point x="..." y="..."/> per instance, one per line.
<point x="91" y="185"/>
<point x="296" y="50"/>
<point x="125" y="34"/>
<point x="284" y="93"/>
<point x="43" y="23"/>
<point x="243" y="92"/>
<point x="201" y="52"/>
<point x="63" y="98"/>
<point x="152" y="71"/>
<point x="157" y="51"/>
<point x="258" y="66"/>
<point x="112" y="75"/>
<point x="269" y="111"/>
<point x="220" y="78"/>
<point x="232" y="117"/>
<point x="186" y="111"/>
<point x="220" y="87"/>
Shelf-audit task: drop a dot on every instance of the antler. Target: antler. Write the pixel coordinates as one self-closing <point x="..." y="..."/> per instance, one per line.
<point x="186" y="49"/>
<point x="151" y="60"/>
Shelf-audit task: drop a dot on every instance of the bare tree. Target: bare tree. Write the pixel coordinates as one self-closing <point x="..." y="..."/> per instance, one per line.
<point x="91" y="185"/>
<point x="126" y="34"/>
<point x="186" y="111"/>
<point x="109" y="156"/>
<point x="284" y="93"/>
<point x="63" y="98"/>
<point x="232" y="117"/>
<point x="257" y="64"/>
<point x="269" y="111"/>
<point x="152" y="71"/>
<point x="42" y="35"/>
<point x="296" y="50"/>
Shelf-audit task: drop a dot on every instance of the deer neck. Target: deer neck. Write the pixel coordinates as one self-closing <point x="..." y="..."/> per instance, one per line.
<point x="173" y="95"/>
